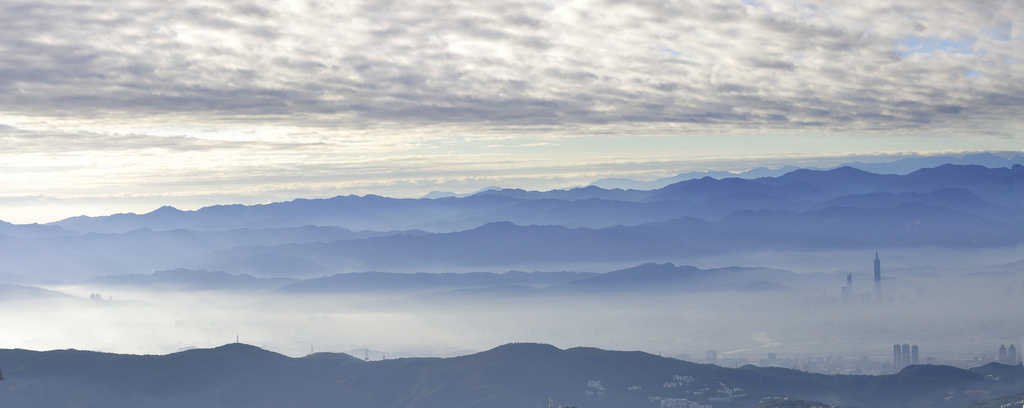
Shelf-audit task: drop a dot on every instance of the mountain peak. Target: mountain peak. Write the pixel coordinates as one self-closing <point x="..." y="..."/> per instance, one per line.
<point x="165" y="210"/>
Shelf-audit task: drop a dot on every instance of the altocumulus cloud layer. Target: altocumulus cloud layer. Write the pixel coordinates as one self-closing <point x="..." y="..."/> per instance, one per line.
<point x="297" y="86"/>
<point x="864" y="64"/>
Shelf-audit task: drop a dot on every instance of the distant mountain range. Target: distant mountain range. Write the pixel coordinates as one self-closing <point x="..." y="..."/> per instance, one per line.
<point x="373" y="282"/>
<point x="638" y="279"/>
<point x="504" y="244"/>
<point x="188" y="280"/>
<point x="961" y="206"/>
<point x="512" y="376"/>
<point x="19" y="293"/>
<point x="591" y="207"/>
<point x="649" y="279"/>
<point x="902" y="166"/>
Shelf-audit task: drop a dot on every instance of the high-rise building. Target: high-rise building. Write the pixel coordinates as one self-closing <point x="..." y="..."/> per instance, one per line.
<point x="913" y="355"/>
<point x="848" y="289"/>
<point x="712" y="357"/>
<point x="1008" y="355"/>
<point x="878" y="278"/>
<point x="897" y="356"/>
<point x="906" y="355"/>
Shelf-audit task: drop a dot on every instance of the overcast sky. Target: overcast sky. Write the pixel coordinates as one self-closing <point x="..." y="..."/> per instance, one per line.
<point x="112" y="107"/>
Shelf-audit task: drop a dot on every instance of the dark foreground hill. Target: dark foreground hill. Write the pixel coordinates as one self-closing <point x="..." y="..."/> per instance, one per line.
<point x="513" y="376"/>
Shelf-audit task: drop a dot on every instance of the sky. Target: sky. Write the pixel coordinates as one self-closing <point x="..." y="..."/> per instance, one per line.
<point x="109" y="107"/>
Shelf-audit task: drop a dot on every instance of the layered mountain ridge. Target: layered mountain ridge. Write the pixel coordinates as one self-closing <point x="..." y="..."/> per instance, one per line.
<point x="963" y="206"/>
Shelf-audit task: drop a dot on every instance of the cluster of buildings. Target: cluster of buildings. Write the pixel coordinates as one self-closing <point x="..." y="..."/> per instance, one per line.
<point x="678" y="403"/>
<point x="829" y="364"/>
<point x="904" y="355"/>
<point x="848" y="293"/>
<point x="1008" y="355"/>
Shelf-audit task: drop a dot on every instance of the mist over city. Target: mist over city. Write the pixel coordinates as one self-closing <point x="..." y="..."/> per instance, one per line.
<point x="434" y="203"/>
<point x="956" y="314"/>
<point x="837" y="272"/>
<point x="746" y="267"/>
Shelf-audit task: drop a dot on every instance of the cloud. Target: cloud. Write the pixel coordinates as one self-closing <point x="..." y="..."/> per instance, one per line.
<point x="776" y="64"/>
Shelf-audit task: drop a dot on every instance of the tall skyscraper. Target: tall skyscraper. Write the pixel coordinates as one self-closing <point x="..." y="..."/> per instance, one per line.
<point x="906" y="355"/>
<point x="878" y="278"/>
<point x="712" y="357"/>
<point x="897" y="357"/>
<point x="1011" y="354"/>
<point x="913" y="355"/>
<point x="848" y="289"/>
<point x="1002" y="353"/>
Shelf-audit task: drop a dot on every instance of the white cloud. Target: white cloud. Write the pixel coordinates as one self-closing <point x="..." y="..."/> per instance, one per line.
<point x="770" y="64"/>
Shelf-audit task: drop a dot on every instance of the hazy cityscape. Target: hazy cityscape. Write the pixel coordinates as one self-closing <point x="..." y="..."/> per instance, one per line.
<point x="874" y="277"/>
<point x="511" y="204"/>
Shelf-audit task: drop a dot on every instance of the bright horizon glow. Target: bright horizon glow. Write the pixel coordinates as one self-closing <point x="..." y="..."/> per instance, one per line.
<point x="44" y="209"/>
